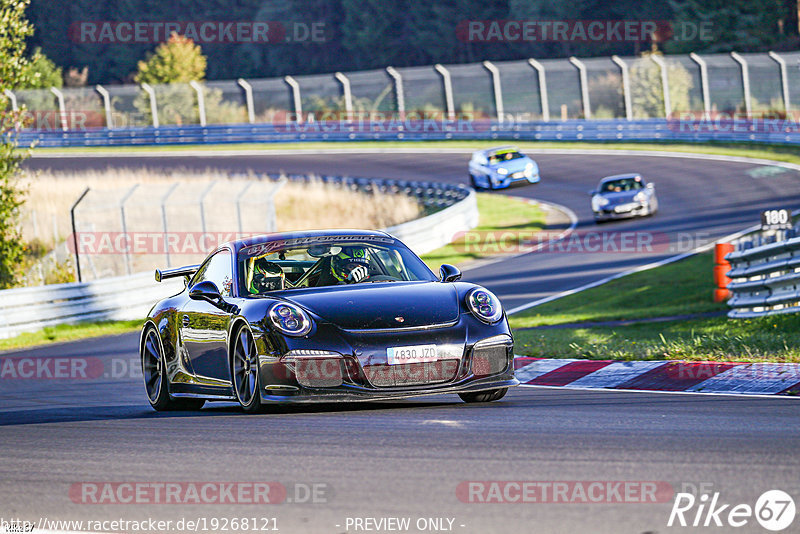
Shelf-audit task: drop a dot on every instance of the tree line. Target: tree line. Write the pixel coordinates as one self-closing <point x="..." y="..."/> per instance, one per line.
<point x="347" y="35"/>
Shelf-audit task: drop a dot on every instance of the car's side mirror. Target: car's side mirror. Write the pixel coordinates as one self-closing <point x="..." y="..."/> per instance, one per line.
<point x="650" y="185"/>
<point x="205" y="290"/>
<point x="449" y="273"/>
<point x="593" y="192"/>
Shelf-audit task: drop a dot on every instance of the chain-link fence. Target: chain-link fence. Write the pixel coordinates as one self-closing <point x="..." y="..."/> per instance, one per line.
<point x="650" y="86"/>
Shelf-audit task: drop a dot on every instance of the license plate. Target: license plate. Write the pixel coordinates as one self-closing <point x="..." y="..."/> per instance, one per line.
<point x="412" y="354"/>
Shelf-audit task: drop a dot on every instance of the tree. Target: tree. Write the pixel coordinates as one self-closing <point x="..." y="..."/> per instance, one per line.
<point x="14" y="72"/>
<point x="41" y="72"/>
<point x="647" y="92"/>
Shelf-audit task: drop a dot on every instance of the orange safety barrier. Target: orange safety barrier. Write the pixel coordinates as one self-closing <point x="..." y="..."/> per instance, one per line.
<point x="721" y="268"/>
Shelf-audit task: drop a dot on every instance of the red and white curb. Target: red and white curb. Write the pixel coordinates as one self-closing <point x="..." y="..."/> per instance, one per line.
<point x="673" y="376"/>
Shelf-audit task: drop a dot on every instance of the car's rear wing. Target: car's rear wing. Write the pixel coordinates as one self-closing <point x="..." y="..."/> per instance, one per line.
<point x="187" y="271"/>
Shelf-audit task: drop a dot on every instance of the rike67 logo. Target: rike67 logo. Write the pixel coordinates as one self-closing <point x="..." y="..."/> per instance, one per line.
<point x="774" y="510"/>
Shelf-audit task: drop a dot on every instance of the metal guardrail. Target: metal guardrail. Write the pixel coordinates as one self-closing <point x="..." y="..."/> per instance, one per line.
<point x="658" y="130"/>
<point x="765" y="280"/>
<point x="130" y="297"/>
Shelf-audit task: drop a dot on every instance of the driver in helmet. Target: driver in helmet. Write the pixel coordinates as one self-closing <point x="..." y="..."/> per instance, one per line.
<point x="350" y="266"/>
<point x="264" y="276"/>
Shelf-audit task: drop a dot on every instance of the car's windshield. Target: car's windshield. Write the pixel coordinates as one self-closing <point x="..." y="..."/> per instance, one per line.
<point x="326" y="261"/>
<point x="623" y="184"/>
<point x="494" y="159"/>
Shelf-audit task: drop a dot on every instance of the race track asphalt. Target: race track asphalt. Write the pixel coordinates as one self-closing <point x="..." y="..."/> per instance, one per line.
<point x="407" y="458"/>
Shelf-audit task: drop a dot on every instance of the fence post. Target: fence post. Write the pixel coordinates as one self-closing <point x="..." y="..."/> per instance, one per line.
<point x="201" y="101"/>
<point x="348" y="96"/>
<point x="272" y="222"/>
<point x="62" y="108"/>
<point x="75" y="233"/>
<point x="398" y="92"/>
<point x="703" y="82"/>
<point x="164" y="221"/>
<point x="122" y="202"/>
<point x="298" y="102"/>
<point x="205" y="192"/>
<point x="106" y="105"/>
<point x="12" y="98"/>
<point x="153" y="106"/>
<point x="248" y="99"/>
<point x="745" y="81"/>
<point x="448" y="91"/>
<point x="784" y="79"/>
<point x="239" y="206"/>
<point x="587" y="108"/>
<point x="498" y="90"/>
<point x="658" y="60"/>
<point x="626" y="86"/>
<point x="542" y="88"/>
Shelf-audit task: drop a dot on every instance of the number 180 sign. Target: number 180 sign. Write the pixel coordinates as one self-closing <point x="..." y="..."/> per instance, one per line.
<point x="776" y="219"/>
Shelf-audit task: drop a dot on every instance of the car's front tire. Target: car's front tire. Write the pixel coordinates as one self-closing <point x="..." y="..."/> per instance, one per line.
<point x="474" y="182"/>
<point x="156" y="383"/>
<point x="484" y="396"/>
<point x="244" y="370"/>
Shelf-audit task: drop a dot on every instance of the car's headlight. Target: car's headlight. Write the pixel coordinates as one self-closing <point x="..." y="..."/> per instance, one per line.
<point x="598" y="202"/>
<point x="502" y="171"/>
<point x="640" y="197"/>
<point x="484" y="305"/>
<point x="529" y="166"/>
<point x="290" y="319"/>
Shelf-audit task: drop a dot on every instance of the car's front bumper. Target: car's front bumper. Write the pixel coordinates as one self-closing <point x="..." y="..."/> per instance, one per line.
<point x="627" y="212"/>
<point x="502" y="181"/>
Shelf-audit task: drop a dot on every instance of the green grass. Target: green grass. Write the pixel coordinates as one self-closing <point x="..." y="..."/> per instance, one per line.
<point x="497" y="213"/>
<point x="683" y="287"/>
<point x="69" y="332"/>
<point x="753" y="150"/>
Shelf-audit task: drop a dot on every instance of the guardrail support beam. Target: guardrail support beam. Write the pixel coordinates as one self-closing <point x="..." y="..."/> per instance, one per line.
<point x="587" y="108"/>
<point x="298" y="102"/>
<point x="248" y="98"/>
<point x="784" y="79"/>
<point x="11" y="98"/>
<point x="201" y="101"/>
<point x="703" y="82"/>
<point x="745" y="81"/>
<point x="542" y="88"/>
<point x="62" y="108"/>
<point x="398" y="92"/>
<point x="106" y="105"/>
<point x="448" y="91"/>
<point x="498" y="90"/>
<point x="626" y="86"/>
<point x="153" y="105"/>
<point x="348" y="96"/>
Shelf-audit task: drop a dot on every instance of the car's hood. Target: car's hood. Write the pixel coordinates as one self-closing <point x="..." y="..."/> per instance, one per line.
<point x="621" y="197"/>
<point x="513" y="165"/>
<point x="381" y="305"/>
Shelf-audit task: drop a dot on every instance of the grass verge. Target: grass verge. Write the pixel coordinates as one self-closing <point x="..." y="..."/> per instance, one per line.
<point x="69" y="332"/>
<point x="497" y="213"/>
<point x="679" y="288"/>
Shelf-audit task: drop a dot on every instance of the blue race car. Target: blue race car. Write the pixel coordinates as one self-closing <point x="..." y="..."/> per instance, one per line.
<point x="496" y="168"/>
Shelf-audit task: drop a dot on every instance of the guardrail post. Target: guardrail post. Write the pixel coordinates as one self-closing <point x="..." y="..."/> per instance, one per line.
<point x="164" y="221"/>
<point x="62" y="108"/>
<point x="703" y="82"/>
<point x="272" y="220"/>
<point x="239" y="206"/>
<point x="587" y="108"/>
<point x="122" y="202"/>
<point x="784" y="79"/>
<point x="398" y="92"/>
<point x="298" y="102"/>
<point x="542" y="88"/>
<point x="153" y="105"/>
<point x="75" y="234"/>
<point x="11" y="98"/>
<point x="498" y="89"/>
<point x="106" y="105"/>
<point x="626" y="86"/>
<point x="248" y="99"/>
<point x="348" y="96"/>
<point x="201" y="101"/>
<point x="448" y="91"/>
<point x="658" y="60"/>
<point x="745" y="81"/>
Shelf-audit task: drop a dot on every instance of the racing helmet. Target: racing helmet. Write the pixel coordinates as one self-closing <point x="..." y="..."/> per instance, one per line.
<point x="349" y="259"/>
<point x="265" y="276"/>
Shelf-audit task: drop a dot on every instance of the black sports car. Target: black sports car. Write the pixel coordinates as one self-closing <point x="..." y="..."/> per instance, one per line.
<point x="322" y="316"/>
